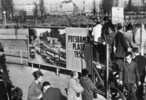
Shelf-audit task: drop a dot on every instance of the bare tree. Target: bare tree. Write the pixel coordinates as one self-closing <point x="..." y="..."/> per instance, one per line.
<point x="107" y="5"/>
<point x="42" y="8"/>
<point x="35" y="12"/>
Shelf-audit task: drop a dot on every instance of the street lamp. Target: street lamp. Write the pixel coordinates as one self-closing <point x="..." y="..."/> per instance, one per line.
<point x="4" y="17"/>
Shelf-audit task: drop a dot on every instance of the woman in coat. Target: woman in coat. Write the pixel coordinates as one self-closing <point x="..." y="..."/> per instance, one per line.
<point x="74" y="88"/>
<point x="89" y="87"/>
<point x="34" y="91"/>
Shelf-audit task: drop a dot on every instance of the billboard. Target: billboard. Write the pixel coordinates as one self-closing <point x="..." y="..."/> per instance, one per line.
<point x="117" y="15"/>
<point x="66" y="48"/>
<point x="47" y="46"/>
<point x="76" y="39"/>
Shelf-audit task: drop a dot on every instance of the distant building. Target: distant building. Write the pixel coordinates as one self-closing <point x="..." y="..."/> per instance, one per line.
<point x="137" y="2"/>
<point x="29" y="10"/>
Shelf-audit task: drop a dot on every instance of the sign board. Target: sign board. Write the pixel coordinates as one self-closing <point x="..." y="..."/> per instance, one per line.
<point x="29" y="10"/>
<point x="117" y="15"/>
<point x="75" y="47"/>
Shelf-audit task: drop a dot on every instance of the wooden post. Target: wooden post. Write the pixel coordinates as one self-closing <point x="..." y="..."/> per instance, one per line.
<point x="21" y="57"/>
<point x="39" y="66"/>
<point x="32" y="65"/>
<point x="57" y="71"/>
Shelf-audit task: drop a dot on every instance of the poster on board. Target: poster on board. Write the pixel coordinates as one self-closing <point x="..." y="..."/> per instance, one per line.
<point x="76" y="39"/>
<point x="47" y="46"/>
<point x="117" y="15"/>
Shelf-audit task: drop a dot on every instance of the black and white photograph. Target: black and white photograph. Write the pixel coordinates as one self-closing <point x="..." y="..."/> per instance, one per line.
<point x="47" y="46"/>
<point x="72" y="49"/>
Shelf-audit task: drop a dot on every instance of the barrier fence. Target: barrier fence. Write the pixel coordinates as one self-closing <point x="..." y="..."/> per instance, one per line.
<point x="16" y="56"/>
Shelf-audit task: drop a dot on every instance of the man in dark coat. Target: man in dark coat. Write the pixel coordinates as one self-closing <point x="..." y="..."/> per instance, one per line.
<point x="141" y="64"/>
<point x="130" y="77"/>
<point x="3" y="90"/>
<point x="3" y="66"/>
<point x="120" y="44"/>
<point x="51" y="93"/>
<point x="4" y="71"/>
<point x="120" y="47"/>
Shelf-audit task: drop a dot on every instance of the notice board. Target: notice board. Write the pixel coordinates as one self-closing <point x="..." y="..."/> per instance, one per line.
<point x="117" y="15"/>
<point x="76" y="39"/>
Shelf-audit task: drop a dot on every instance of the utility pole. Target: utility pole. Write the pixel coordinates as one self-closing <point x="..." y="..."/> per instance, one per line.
<point x="42" y="10"/>
<point x="36" y="4"/>
<point x="94" y="8"/>
<point x="83" y="6"/>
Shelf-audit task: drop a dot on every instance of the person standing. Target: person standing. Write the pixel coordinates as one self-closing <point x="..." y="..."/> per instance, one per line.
<point x="97" y="43"/>
<point x="51" y="93"/>
<point x="3" y="66"/>
<point x="97" y="30"/>
<point x="89" y="87"/>
<point x="34" y="91"/>
<point x="129" y="36"/>
<point x="121" y="46"/>
<point x="74" y="88"/>
<point x="3" y="90"/>
<point x="141" y="64"/>
<point x="130" y="77"/>
<point x="5" y="72"/>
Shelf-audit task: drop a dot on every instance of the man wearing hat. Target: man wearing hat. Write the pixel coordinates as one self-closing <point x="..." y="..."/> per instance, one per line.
<point x="51" y="93"/>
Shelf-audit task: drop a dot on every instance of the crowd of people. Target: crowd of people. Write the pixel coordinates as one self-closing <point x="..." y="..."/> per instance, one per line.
<point x="124" y="52"/>
<point x="43" y="90"/>
<point x="80" y="87"/>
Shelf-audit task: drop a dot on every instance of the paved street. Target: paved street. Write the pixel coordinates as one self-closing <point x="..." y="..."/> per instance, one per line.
<point x="22" y="76"/>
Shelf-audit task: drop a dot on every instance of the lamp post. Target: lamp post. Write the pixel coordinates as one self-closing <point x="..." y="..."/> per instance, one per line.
<point x="4" y="18"/>
<point x="107" y="73"/>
